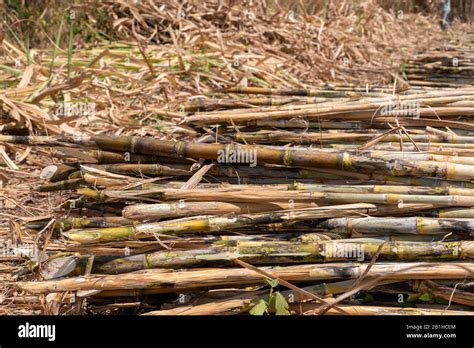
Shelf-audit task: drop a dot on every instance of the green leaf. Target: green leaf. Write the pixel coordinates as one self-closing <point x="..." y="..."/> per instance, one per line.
<point x="412" y="297"/>
<point x="260" y="308"/>
<point x="273" y="283"/>
<point x="426" y="297"/>
<point x="440" y="300"/>
<point x="280" y="304"/>
<point x="367" y="298"/>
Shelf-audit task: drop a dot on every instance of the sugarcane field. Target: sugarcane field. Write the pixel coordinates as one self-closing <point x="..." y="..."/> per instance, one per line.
<point x="244" y="158"/>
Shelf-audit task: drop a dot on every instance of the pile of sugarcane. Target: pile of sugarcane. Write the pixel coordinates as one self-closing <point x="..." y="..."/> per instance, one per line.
<point x="337" y="200"/>
<point x="450" y="66"/>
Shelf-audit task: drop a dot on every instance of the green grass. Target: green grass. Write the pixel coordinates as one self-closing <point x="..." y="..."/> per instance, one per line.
<point x="55" y="48"/>
<point x="70" y="46"/>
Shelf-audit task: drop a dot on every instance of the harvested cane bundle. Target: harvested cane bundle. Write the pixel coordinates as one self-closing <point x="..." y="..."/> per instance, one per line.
<point x="170" y="188"/>
<point x="144" y="208"/>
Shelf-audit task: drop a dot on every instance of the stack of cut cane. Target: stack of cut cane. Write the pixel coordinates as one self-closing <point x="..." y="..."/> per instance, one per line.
<point x="446" y="67"/>
<point x="346" y="200"/>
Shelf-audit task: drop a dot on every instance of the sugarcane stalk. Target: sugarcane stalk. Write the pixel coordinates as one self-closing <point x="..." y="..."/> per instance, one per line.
<point x="378" y="122"/>
<point x="378" y="237"/>
<point x="310" y="159"/>
<point x="284" y="227"/>
<point x="420" y="157"/>
<point x="103" y="181"/>
<point x="421" y="181"/>
<point x="242" y="303"/>
<point x="261" y="253"/>
<point x="56" y="173"/>
<point x="466" y="285"/>
<point x="454" y="213"/>
<point x="444" y="292"/>
<point x="346" y="112"/>
<point x="363" y="108"/>
<point x="413" y="190"/>
<point x="344" y="161"/>
<point x="272" y="136"/>
<point x="405" y="225"/>
<point x="302" y="92"/>
<point x="174" y="281"/>
<point x="182" y="209"/>
<point x="230" y="171"/>
<point x="218" y="104"/>
<point x="199" y="224"/>
<point x="244" y="196"/>
<point x="204" y="224"/>
<point x="220" y="307"/>
<point x="54" y="141"/>
<point x="409" y="147"/>
<point x="309" y="308"/>
<point x="117" y="157"/>
<point x="146" y="169"/>
<point x="62" y="185"/>
<point x="66" y="224"/>
<point x="236" y="306"/>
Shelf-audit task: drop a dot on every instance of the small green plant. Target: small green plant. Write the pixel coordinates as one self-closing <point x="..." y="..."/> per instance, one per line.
<point x="276" y="302"/>
<point x="426" y="297"/>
